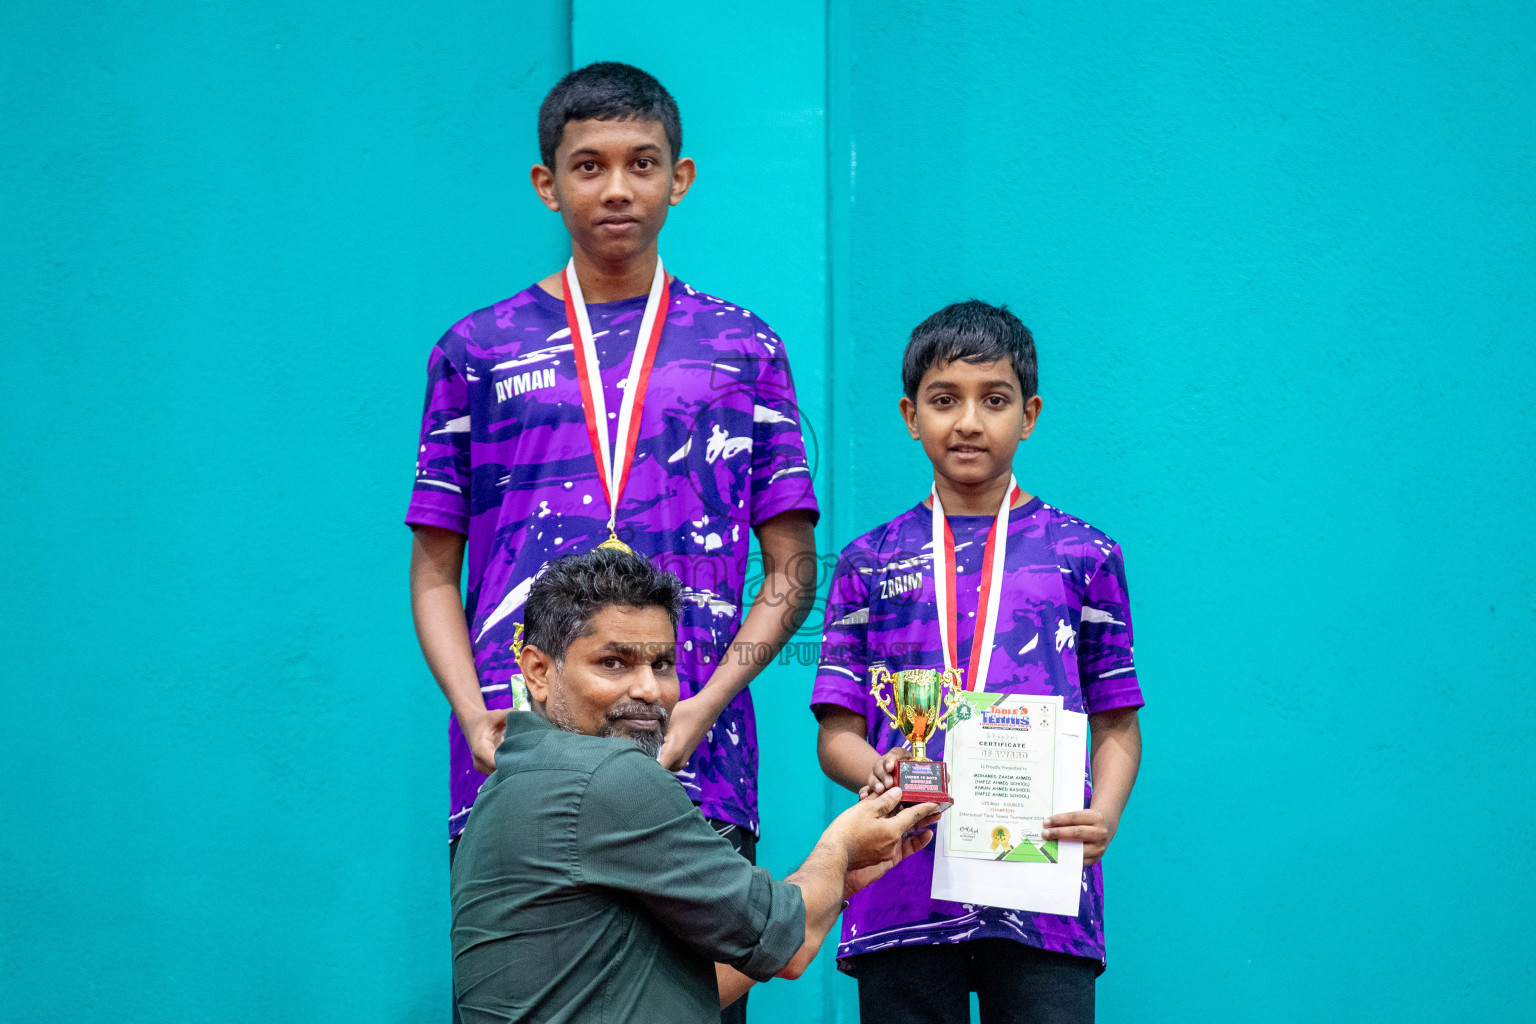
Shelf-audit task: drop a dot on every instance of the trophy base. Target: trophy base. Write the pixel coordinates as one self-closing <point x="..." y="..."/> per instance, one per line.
<point x="923" y="782"/>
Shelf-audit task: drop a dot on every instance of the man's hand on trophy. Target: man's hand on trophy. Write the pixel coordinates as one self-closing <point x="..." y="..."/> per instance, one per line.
<point x="484" y="730"/>
<point x="876" y="839"/>
<point x="882" y="774"/>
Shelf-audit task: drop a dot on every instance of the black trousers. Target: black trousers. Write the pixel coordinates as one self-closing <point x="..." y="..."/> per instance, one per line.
<point x="453" y="848"/>
<point x="742" y="841"/>
<point x="1014" y="984"/>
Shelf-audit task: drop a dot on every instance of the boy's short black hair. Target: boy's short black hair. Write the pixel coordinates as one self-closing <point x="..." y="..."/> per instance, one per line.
<point x="571" y="590"/>
<point x="606" y="91"/>
<point x="975" y="332"/>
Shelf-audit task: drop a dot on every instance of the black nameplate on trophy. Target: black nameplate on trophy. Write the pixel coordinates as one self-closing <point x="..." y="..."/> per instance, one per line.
<point x="923" y="782"/>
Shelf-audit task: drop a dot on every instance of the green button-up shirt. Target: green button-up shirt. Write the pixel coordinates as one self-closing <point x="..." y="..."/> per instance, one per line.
<point x="587" y="887"/>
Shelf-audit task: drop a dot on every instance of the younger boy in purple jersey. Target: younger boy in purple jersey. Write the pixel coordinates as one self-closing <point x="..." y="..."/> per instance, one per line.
<point x="505" y="467"/>
<point x="1063" y="628"/>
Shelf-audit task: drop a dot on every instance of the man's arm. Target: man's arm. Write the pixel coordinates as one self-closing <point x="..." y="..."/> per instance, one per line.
<point x="1116" y="757"/>
<point x="437" y="558"/>
<point x="731" y="983"/>
<point x="638" y="833"/>
<point x="861" y="844"/>
<point x="788" y="543"/>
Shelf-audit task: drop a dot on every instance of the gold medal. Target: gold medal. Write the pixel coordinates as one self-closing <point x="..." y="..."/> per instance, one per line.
<point x="614" y="544"/>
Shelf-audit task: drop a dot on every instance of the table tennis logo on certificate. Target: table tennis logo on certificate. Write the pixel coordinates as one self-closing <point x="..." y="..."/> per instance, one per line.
<point x="1005" y="718"/>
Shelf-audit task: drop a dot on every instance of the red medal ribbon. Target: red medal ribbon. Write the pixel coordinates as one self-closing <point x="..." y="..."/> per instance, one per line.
<point x="613" y="468"/>
<point x="988" y="600"/>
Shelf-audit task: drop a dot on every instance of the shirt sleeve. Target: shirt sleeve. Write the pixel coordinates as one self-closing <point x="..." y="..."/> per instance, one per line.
<point x="842" y="677"/>
<point x="638" y="833"/>
<point x="781" y="474"/>
<point x="1105" y="664"/>
<point x="441" y="493"/>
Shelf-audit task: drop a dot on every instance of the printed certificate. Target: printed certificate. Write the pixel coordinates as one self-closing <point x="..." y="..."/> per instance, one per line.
<point x="1014" y="760"/>
<point x="1003" y="777"/>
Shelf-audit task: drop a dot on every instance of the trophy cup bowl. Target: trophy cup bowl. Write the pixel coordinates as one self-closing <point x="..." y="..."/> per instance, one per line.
<point x="918" y="706"/>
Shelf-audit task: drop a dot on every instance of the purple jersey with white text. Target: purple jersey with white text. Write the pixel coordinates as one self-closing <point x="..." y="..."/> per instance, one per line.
<point x="505" y="459"/>
<point x="1064" y="628"/>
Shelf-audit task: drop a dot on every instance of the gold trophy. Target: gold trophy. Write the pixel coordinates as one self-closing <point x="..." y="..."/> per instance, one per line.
<point x="923" y="699"/>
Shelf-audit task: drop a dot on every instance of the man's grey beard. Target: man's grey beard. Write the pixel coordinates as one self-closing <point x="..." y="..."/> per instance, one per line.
<point x="613" y="724"/>
<point x="648" y="742"/>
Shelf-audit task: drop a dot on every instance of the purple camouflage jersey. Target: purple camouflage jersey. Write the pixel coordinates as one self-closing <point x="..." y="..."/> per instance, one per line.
<point x="1064" y="628"/>
<point x="505" y="458"/>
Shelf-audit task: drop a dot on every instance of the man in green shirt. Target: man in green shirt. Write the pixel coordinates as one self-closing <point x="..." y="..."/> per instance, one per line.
<point x="586" y="886"/>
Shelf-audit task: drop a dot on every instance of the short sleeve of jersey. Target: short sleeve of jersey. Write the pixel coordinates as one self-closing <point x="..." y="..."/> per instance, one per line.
<point x="841" y="677"/>
<point x="1105" y="664"/>
<point x="441" y="493"/>
<point x="781" y="474"/>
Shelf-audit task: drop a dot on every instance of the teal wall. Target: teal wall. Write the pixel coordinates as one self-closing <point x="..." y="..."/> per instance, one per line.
<point x="1278" y="259"/>
<point x="230" y="236"/>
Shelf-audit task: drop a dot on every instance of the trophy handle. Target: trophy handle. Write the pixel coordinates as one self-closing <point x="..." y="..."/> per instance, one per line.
<point x="877" y="676"/>
<point x="517" y="641"/>
<point x="952" y="681"/>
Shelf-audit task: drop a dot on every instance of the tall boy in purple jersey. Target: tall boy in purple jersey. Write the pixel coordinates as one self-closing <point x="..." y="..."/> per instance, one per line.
<point x="506" y="470"/>
<point x="1064" y="628"/>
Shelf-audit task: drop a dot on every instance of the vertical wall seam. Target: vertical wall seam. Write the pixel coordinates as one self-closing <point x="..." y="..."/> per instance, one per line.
<point x="835" y="267"/>
<point x="829" y="255"/>
<point x="829" y="449"/>
<point x="570" y="35"/>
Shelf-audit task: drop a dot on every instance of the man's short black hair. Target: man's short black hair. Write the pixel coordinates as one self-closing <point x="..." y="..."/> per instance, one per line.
<point x="975" y="332"/>
<point x="606" y="91"/>
<point x="572" y="590"/>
